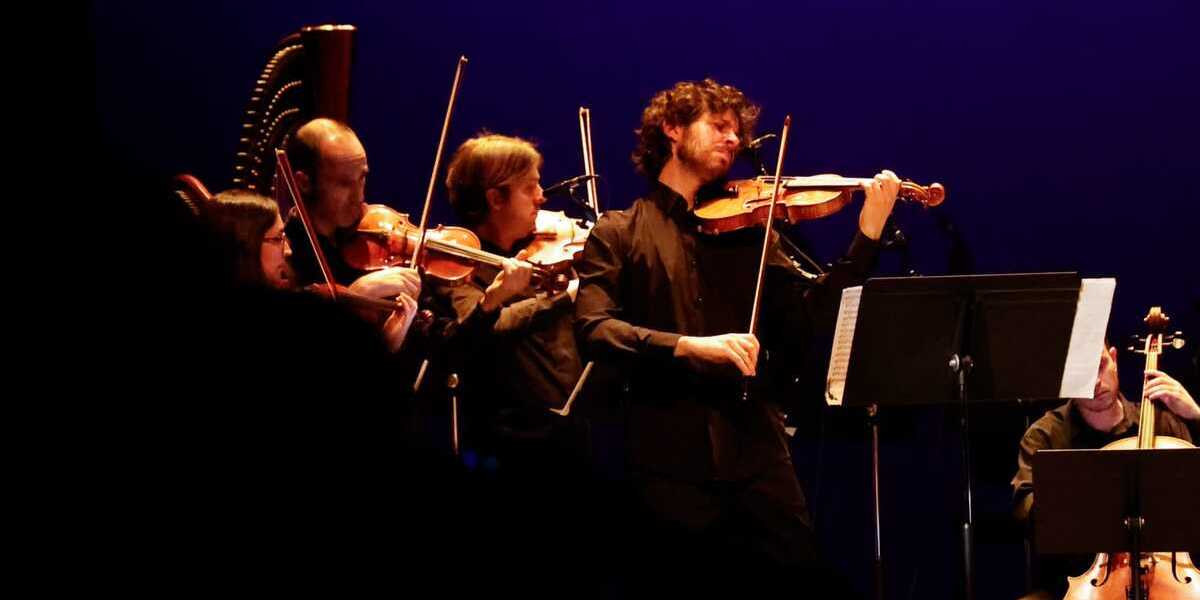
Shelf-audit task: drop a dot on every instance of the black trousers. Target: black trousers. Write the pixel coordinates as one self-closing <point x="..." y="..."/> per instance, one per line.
<point x="729" y="537"/>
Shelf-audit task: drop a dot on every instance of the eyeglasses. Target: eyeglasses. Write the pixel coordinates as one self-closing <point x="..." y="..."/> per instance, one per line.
<point x="282" y="238"/>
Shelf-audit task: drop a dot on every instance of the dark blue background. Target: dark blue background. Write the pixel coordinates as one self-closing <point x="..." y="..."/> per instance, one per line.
<point x="1066" y="133"/>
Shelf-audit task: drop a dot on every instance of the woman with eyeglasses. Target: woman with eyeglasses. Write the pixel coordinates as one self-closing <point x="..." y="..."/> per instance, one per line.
<point x="250" y="233"/>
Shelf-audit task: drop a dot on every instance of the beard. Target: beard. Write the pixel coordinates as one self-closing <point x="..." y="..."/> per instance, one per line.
<point x="701" y="161"/>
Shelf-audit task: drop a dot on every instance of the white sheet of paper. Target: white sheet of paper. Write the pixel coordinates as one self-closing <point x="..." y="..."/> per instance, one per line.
<point x="843" y="337"/>
<point x="1087" y="338"/>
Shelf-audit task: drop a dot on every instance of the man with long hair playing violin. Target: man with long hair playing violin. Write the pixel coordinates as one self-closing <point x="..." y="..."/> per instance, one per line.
<point x="712" y="472"/>
<point x="1090" y="423"/>
<point x="516" y="342"/>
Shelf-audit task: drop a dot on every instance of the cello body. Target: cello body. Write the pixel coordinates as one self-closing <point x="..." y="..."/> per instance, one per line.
<point x="1160" y="580"/>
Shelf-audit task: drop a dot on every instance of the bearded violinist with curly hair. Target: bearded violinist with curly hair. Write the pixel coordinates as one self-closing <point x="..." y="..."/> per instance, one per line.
<point x="712" y="474"/>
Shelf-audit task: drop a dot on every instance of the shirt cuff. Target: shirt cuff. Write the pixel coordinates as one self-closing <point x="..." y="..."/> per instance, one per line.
<point x="480" y="318"/>
<point x="661" y="344"/>
<point x="863" y="249"/>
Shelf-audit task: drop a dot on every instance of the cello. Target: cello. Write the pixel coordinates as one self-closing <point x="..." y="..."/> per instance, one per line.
<point x="1160" y="575"/>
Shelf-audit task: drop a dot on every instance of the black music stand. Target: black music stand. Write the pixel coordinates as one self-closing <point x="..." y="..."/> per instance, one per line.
<point x="1089" y="501"/>
<point x="960" y="340"/>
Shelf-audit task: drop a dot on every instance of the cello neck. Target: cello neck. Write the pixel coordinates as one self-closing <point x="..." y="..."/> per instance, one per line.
<point x="1156" y="322"/>
<point x="1146" y="429"/>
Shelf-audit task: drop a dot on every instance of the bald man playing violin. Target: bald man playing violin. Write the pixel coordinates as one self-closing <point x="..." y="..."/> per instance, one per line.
<point x="517" y="343"/>
<point x="330" y="166"/>
<point x="671" y="306"/>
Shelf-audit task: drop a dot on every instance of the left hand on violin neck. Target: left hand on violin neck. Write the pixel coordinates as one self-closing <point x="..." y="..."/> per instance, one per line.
<point x="881" y="197"/>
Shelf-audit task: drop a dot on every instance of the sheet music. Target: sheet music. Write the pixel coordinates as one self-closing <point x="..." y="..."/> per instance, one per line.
<point x="843" y="337"/>
<point x="1087" y="338"/>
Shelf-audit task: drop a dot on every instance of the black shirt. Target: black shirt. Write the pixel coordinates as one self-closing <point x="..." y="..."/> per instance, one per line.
<point x="304" y="262"/>
<point x="520" y="360"/>
<point x="647" y="277"/>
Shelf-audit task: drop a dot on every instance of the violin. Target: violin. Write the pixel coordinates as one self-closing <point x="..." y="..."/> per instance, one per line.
<point x="1159" y="575"/>
<point x="744" y="202"/>
<point x="557" y="243"/>
<point x="387" y="238"/>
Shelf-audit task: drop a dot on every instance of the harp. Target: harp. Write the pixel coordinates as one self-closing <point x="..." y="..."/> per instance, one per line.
<point x="306" y="76"/>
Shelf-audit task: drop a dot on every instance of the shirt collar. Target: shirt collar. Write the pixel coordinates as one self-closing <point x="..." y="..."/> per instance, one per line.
<point x="670" y="202"/>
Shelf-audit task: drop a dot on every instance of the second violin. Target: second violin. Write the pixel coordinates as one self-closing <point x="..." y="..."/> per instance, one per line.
<point x="387" y="238"/>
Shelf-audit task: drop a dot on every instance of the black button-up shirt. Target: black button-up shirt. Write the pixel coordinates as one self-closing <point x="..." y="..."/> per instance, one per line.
<point x="647" y="277"/>
<point x="520" y="359"/>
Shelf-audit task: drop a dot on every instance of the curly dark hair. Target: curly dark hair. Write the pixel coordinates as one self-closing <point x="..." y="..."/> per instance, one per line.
<point x="682" y="105"/>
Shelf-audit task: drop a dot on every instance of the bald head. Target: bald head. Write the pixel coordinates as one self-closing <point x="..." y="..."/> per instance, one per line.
<point x="331" y="170"/>
<point x="323" y="140"/>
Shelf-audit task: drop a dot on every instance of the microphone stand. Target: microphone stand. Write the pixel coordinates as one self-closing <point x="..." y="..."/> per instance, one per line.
<point x="893" y="237"/>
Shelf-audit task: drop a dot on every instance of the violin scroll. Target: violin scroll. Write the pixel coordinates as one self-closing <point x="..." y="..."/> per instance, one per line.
<point x="932" y="195"/>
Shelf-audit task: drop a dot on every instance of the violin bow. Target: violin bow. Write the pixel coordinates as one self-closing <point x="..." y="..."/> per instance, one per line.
<point x="283" y="169"/>
<point x="589" y="169"/>
<point x="589" y="163"/>
<point x="766" y="245"/>
<point x="437" y="162"/>
<point x="762" y="260"/>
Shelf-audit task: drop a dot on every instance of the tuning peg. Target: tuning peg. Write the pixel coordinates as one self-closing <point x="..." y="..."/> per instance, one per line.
<point x="1177" y="342"/>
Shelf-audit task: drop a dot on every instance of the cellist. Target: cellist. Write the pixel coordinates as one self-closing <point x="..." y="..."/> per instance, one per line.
<point x="1094" y="423"/>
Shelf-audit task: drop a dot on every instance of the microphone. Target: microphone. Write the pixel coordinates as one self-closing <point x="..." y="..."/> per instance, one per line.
<point x="757" y="142"/>
<point x="751" y="149"/>
<point x="566" y="185"/>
